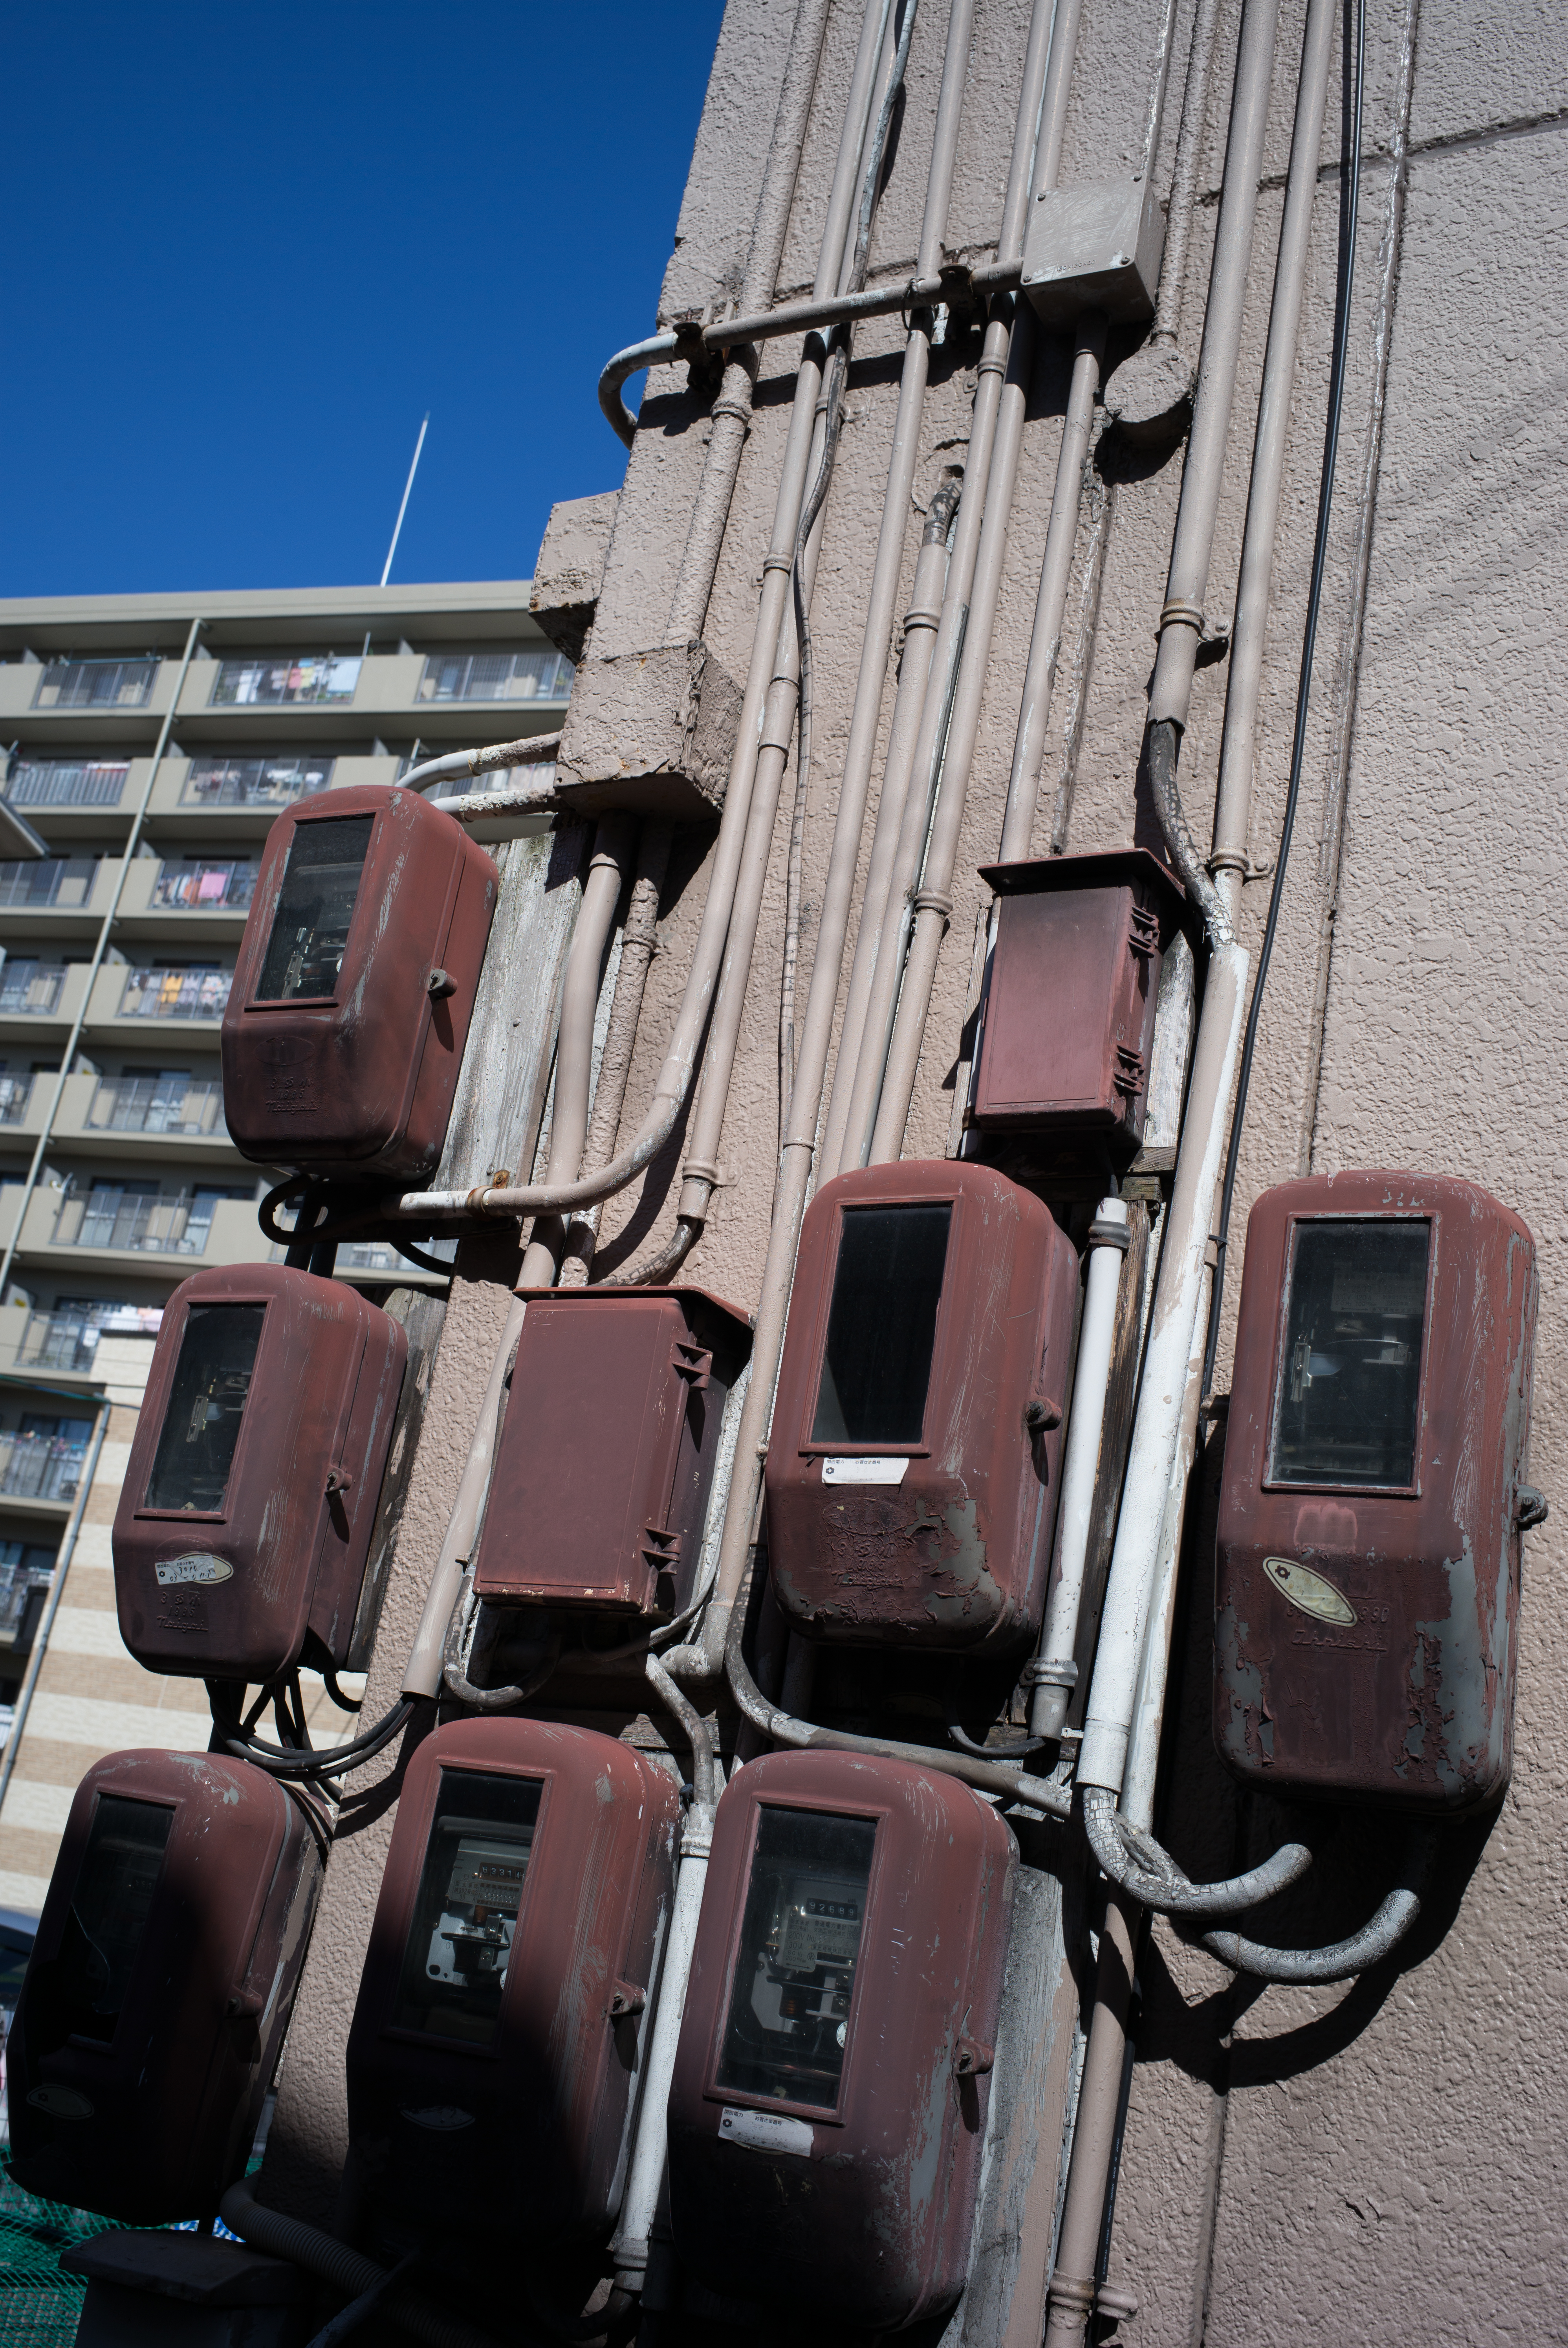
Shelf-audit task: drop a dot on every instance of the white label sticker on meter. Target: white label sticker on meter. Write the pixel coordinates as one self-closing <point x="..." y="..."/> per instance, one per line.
<point x="766" y="2131"/>
<point x="200" y="1567"/>
<point x="864" y="1471"/>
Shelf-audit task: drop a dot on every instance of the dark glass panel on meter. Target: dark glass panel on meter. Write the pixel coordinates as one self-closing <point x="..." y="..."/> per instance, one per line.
<point x="310" y="928"/>
<point x="882" y="1324"/>
<point x="1350" y="1381"/>
<point x="206" y="1403"/>
<point x="800" y="1943"/>
<point x="460" y="1941"/>
<point x="109" y="1914"/>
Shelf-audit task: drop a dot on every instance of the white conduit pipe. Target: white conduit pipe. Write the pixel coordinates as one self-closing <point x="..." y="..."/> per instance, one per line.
<point x="675" y="1075"/>
<point x="1055" y="1673"/>
<point x="533" y="749"/>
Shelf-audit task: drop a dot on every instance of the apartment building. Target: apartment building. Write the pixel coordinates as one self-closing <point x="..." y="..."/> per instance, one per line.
<point x="149" y="742"/>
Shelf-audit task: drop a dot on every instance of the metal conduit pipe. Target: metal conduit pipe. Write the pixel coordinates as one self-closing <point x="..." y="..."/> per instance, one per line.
<point x="1054" y="1673"/>
<point x="675" y="1075"/>
<point x="1341" y="1958"/>
<point x="427" y="1657"/>
<point x="574" y="1040"/>
<point x="1071" y="2292"/>
<point x="533" y="749"/>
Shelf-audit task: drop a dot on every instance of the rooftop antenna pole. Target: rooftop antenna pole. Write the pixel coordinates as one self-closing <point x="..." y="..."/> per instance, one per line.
<point x="403" y="508"/>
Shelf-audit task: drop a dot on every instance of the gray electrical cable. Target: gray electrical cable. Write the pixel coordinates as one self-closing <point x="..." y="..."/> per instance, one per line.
<point x="1341" y="1958"/>
<point x="1136" y="1863"/>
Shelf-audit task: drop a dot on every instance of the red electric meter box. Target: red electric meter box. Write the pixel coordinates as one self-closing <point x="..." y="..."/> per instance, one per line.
<point x="1367" y="1575"/>
<point x="914" y="1466"/>
<point x="828" y="2105"/>
<point x="159" y="1986"/>
<point x="1067" y="1024"/>
<point x="244" y="1523"/>
<point x="606" y="1455"/>
<point x="355" y="985"/>
<point x="497" y="2051"/>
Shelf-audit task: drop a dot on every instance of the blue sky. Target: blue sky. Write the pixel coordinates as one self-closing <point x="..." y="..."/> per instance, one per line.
<point x="248" y="247"/>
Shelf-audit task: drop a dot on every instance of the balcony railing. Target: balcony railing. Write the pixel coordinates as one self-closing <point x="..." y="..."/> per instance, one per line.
<point x="67" y="782"/>
<point x="31" y="987"/>
<point x="112" y="1218"/>
<point x="371" y="1255"/>
<point x="156" y="1105"/>
<point x="254" y="782"/>
<point x="96" y="685"/>
<point x="64" y="882"/>
<point x="15" y="1092"/>
<point x="41" y="1467"/>
<point x="199" y="887"/>
<point x="496" y="676"/>
<point x="173" y="994"/>
<point x="312" y="677"/>
<point x="68" y="1340"/>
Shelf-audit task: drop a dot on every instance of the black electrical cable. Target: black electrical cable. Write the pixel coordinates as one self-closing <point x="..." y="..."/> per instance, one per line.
<point x="289" y="1761"/>
<point x="343" y="1703"/>
<point x="1302" y="690"/>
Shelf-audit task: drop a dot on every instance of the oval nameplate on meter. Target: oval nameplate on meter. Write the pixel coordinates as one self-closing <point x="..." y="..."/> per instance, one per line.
<point x="444" y="2116"/>
<point x="60" y="2102"/>
<point x="201" y="1566"/>
<point x="1311" y="1591"/>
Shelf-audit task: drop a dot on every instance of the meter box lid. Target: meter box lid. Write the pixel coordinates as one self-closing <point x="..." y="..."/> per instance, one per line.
<point x="606" y="1455"/>
<point x="828" y="2105"/>
<point x="159" y="1986"/>
<point x="355" y="985"/>
<point x="1367" y="1569"/>
<point x="915" y="1460"/>
<point x="244" y="1523"/>
<point x="1067" y="1023"/>
<point x="499" y="2043"/>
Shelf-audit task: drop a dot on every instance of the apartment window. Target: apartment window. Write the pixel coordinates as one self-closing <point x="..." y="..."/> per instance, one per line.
<point x="63" y="881"/>
<point x="67" y="782"/>
<point x="200" y="884"/>
<point x="31" y="987"/>
<point x="255" y="782"/>
<point x="66" y="1336"/>
<point x="24" y="1567"/>
<point x="96" y="685"/>
<point x="156" y="1101"/>
<point x="267" y="683"/>
<point x="43" y="1459"/>
<point x="15" y="1093"/>
<point x="135" y="1216"/>
<point x="542" y="676"/>
<point x="201" y="991"/>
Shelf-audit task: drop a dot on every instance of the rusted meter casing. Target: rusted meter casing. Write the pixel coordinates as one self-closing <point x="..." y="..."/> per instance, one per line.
<point x="1067" y="1023"/>
<point x="828" y="2106"/>
<point x="355" y="985"/>
<point x="912" y="1470"/>
<point x="1367" y="1583"/>
<point x="244" y="1523"/>
<point x="496" y="2056"/>
<point x="160" y="1985"/>
<point x="606" y="1455"/>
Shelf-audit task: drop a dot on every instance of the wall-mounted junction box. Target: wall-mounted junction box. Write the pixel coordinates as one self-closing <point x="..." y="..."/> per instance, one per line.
<point x="1094" y="247"/>
<point x="243" y="1527"/>
<point x="1367" y="1578"/>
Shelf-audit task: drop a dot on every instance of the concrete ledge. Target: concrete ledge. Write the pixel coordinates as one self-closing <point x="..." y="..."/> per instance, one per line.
<point x="651" y="731"/>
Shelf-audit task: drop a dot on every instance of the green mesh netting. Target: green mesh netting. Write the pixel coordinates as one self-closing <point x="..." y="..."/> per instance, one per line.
<point x="39" y="2306"/>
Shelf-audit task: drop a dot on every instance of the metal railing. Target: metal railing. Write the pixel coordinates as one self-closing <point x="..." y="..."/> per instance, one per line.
<point x="42" y="1467"/>
<point x="67" y="782"/>
<point x="15" y="1092"/>
<point x="200" y="887"/>
<point x="370" y="1255"/>
<point x="309" y="676"/>
<point x="544" y="676"/>
<point x="96" y="685"/>
<point x="254" y="782"/>
<point x="113" y="1217"/>
<point x="63" y="881"/>
<point x="156" y="1105"/>
<point x="173" y="994"/>
<point x="33" y="988"/>
<point x="68" y="1339"/>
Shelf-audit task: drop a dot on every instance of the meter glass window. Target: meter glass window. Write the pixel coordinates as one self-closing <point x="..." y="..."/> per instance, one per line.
<point x="800" y="1943"/>
<point x="205" y="1405"/>
<point x="108" y="1913"/>
<point x="460" y="1941"/>
<point x="310" y="928"/>
<point x="882" y="1324"/>
<point x="1350" y="1386"/>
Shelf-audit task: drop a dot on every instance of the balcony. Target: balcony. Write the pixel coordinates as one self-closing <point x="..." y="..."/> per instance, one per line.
<point x="273" y="684"/>
<point x="67" y="782"/>
<point x="96" y="685"/>
<point x="167" y="993"/>
<point x="112" y="1216"/>
<point x="68" y="1338"/>
<point x="362" y="1256"/>
<point x="254" y="782"/>
<point x="160" y="1104"/>
<point x="202" y="887"/>
<point x="15" y="1092"/>
<point x="31" y="989"/>
<point x="542" y="676"/>
<point x="36" y="1467"/>
<point x="65" y="882"/>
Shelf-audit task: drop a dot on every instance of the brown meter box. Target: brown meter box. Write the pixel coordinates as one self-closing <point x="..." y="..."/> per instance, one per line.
<point x="914" y="1461"/>
<point x="355" y="985"/>
<point x="160" y="1985"/>
<point x="1367" y="1581"/>
<point x="827" y="2112"/>
<point x="1067" y="1023"/>
<point x="243" y="1527"/>
<point x="498" y="2043"/>
<point x="606" y="1451"/>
